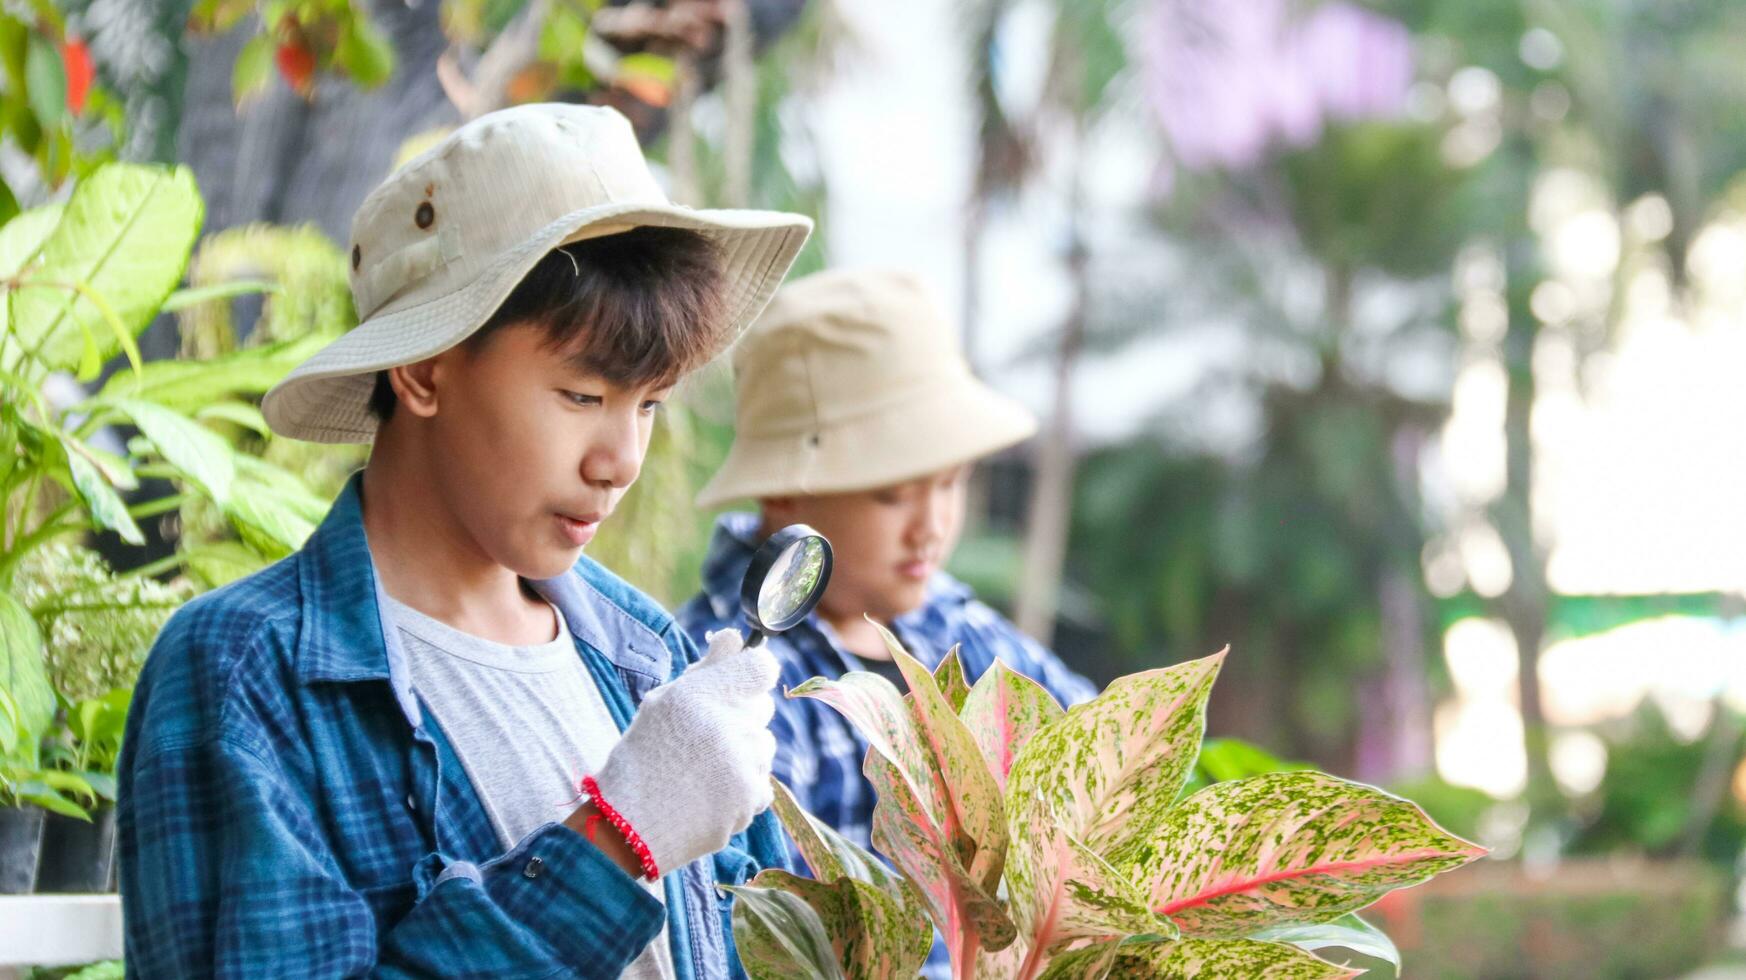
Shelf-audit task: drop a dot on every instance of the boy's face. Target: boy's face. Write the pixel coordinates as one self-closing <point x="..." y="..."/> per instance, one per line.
<point x="886" y="542"/>
<point x="532" y="451"/>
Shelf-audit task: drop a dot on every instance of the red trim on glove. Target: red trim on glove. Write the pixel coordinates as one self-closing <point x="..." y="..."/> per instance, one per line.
<point x="631" y="837"/>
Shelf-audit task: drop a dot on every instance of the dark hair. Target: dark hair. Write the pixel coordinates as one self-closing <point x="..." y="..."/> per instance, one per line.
<point x="638" y="307"/>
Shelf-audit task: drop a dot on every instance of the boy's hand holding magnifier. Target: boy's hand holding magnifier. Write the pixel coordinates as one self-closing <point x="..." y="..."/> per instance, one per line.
<point x="693" y="769"/>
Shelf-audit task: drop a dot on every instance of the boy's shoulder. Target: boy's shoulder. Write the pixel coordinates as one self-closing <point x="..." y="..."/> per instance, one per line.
<point x="266" y="604"/>
<point x="242" y="634"/>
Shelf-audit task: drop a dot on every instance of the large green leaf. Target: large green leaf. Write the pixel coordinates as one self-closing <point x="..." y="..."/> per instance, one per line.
<point x="1100" y="777"/>
<point x="780" y="937"/>
<point x="20" y="241"/>
<point x="873" y="935"/>
<point x="207" y="461"/>
<point x="1290" y="847"/>
<point x="271" y="508"/>
<point x="105" y="505"/>
<point x="1003" y="711"/>
<point x="22" y="675"/>
<point x="37" y="794"/>
<point x="11" y="725"/>
<point x="125" y="236"/>
<point x="189" y="385"/>
<point x="1194" y="959"/>
<point x="22" y="237"/>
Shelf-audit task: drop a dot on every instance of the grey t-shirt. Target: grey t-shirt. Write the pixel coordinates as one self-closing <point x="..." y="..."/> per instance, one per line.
<point x="527" y="723"/>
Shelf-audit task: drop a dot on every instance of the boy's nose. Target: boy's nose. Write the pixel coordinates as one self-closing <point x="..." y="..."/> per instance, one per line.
<point x="614" y="460"/>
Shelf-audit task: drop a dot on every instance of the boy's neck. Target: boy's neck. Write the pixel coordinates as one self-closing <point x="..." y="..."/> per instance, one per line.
<point x="426" y="560"/>
<point x="858" y="636"/>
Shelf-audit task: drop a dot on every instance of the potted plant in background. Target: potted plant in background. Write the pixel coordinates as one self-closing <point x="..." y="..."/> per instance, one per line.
<point x="78" y="282"/>
<point x="79" y="855"/>
<point x="28" y="792"/>
<point x="97" y="627"/>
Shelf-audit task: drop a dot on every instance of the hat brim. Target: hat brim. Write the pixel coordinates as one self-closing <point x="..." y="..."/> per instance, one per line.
<point x="958" y="421"/>
<point x="326" y="399"/>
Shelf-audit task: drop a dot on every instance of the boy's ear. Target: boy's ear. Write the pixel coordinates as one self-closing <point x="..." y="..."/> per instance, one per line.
<point x="415" y="386"/>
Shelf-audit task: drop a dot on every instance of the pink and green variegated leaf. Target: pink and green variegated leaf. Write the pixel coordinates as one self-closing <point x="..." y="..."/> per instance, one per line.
<point x="956" y="900"/>
<point x="1194" y="959"/>
<point x="949" y="675"/>
<point x="1110" y="769"/>
<point x="879" y="712"/>
<point x="1003" y="711"/>
<point x="975" y="818"/>
<point x="778" y="936"/>
<point x="872" y="935"/>
<point x="1059" y="891"/>
<point x="1286" y="847"/>
<point x="830" y="855"/>
<point x="1089" y="780"/>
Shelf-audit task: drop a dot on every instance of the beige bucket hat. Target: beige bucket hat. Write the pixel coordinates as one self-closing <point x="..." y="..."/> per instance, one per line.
<point x="851" y="380"/>
<point x="439" y="246"/>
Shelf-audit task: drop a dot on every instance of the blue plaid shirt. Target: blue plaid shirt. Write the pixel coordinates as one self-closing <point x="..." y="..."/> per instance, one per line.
<point x="818" y="753"/>
<point x="288" y="810"/>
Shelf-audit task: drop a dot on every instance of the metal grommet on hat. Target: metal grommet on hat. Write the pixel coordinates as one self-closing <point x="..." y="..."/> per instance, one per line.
<point x="357" y="257"/>
<point x="425" y="216"/>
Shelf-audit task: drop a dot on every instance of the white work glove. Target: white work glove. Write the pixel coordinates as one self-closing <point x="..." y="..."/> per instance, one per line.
<point x="693" y="769"/>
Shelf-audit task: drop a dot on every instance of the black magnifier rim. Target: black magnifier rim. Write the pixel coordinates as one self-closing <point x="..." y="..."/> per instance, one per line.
<point x="764" y="559"/>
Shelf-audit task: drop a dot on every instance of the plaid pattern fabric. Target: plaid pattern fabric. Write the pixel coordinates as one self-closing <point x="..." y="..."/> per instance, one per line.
<point x="819" y="753"/>
<point x="287" y="810"/>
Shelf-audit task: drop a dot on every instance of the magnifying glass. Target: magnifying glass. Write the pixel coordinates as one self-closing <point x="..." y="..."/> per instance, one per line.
<point x="786" y="580"/>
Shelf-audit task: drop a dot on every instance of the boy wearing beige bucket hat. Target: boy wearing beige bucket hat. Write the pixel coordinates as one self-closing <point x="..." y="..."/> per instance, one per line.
<point x="437" y="741"/>
<point x="856" y="414"/>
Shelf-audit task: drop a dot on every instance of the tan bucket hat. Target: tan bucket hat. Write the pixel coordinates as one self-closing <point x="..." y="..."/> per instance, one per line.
<point x="439" y="246"/>
<point x="851" y="380"/>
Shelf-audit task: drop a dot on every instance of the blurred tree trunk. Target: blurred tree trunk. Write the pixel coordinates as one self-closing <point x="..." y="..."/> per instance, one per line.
<point x="1395" y="739"/>
<point x="1052" y="496"/>
<point x="1525" y="604"/>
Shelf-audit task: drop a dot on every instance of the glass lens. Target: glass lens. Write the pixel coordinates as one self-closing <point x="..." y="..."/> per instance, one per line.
<point x="789" y="587"/>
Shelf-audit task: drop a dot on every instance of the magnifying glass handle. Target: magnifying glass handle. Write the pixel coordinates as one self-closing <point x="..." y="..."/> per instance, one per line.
<point x="755" y="640"/>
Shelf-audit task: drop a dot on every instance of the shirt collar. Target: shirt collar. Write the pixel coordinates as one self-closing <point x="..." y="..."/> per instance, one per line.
<point x="346" y="637"/>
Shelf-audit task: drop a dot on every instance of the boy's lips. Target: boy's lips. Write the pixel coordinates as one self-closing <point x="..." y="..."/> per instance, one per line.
<point x="579" y="528"/>
<point x="915" y="568"/>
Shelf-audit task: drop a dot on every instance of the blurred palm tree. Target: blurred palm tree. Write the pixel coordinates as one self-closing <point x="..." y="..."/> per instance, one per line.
<point x="1316" y="223"/>
<point x="1086" y="56"/>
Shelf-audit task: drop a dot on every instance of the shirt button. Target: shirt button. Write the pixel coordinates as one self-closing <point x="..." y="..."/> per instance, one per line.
<point x="411" y="803"/>
<point x="534" y="867"/>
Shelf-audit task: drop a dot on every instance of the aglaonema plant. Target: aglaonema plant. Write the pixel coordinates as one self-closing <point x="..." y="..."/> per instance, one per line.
<point x="1060" y="844"/>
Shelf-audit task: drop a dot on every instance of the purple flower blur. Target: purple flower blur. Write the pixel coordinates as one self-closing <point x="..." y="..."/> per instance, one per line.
<point x="1232" y="79"/>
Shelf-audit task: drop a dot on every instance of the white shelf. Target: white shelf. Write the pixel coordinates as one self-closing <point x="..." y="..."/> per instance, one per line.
<point x="58" y="930"/>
